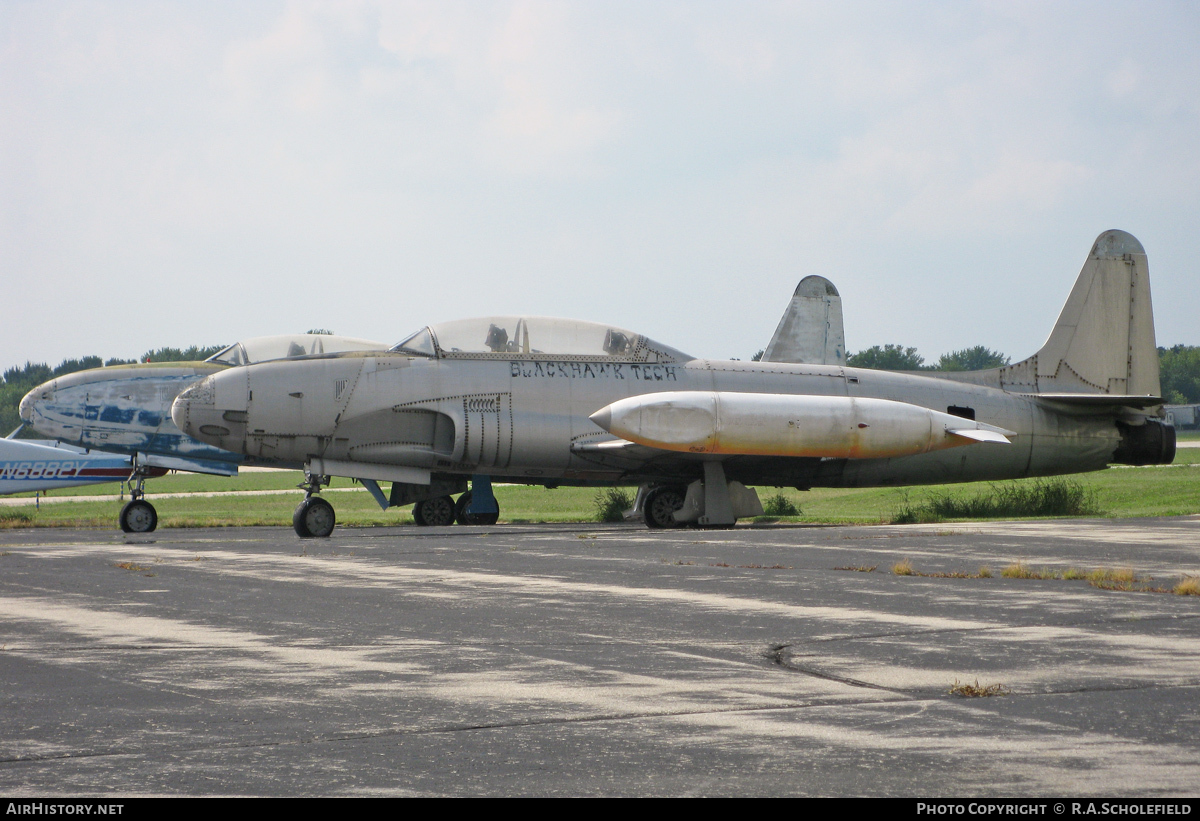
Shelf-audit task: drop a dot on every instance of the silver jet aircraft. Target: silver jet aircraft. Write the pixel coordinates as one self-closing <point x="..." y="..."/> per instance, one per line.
<point x="126" y="409"/>
<point x="550" y="401"/>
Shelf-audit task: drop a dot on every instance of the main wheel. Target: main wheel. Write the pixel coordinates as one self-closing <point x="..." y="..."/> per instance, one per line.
<point x="463" y="518"/>
<point x="138" y="516"/>
<point x="460" y="508"/>
<point x="436" y="512"/>
<point x="660" y="504"/>
<point x="313" y="517"/>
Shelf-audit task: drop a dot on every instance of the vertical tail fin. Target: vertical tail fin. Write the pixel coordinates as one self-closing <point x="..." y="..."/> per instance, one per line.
<point x="1103" y="342"/>
<point x="810" y="332"/>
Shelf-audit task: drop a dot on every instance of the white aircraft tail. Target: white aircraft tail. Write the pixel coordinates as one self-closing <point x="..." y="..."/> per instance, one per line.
<point x="1103" y="343"/>
<point x="811" y="331"/>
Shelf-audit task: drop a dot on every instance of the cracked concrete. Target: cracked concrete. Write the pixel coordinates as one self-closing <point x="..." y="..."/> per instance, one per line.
<point x="525" y="660"/>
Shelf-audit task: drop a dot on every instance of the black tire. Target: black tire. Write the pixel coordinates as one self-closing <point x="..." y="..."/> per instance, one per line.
<point x="460" y="508"/>
<point x="436" y="512"/>
<point x="463" y="518"/>
<point x="660" y="504"/>
<point x="314" y="518"/>
<point x="138" y="516"/>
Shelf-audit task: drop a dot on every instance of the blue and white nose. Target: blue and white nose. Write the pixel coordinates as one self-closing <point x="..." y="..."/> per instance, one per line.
<point x="29" y="403"/>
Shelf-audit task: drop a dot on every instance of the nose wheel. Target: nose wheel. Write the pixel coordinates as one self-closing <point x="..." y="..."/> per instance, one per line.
<point x="138" y="515"/>
<point x="314" y="517"/>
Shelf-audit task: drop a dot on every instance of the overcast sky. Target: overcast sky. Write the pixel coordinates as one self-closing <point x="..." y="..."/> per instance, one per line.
<point x="196" y="173"/>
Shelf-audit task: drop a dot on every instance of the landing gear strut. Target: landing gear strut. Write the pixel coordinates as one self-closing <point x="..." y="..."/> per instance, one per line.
<point x="138" y="515"/>
<point x="314" y="517"/>
<point x="478" y="506"/>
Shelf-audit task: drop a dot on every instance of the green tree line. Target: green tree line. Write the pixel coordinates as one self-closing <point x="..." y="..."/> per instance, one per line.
<point x="900" y="358"/>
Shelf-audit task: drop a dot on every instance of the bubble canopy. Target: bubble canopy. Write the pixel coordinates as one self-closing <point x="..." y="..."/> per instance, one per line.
<point x="506" y="337"/>
<point x="262" y="348"/>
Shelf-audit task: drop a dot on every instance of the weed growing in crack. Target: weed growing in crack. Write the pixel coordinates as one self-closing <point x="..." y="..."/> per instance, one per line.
<point x="611" y="504"/>
<point x="978" y="690"/>
<point x="780" y="505"/>
<point x="1190" y="586"/>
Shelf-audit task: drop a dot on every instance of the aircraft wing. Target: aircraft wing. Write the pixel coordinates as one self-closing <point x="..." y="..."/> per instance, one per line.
<point x="27" y="466"/>
<point x="214" y="467"/>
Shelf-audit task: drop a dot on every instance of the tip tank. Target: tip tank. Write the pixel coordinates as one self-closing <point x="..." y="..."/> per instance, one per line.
<point x="744" y="424"/>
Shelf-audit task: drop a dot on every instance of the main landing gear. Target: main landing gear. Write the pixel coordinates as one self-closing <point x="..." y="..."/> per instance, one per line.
<point x="465" y="514"/>
<point x="435" y="512"/>
<point x="314" y="517"/>
<point x="443" y="510"/>
<point x="478" y="506"/>
<point x="661" y="504"/>
<point x="713" y="502"/>
<point x="138" y="515"/>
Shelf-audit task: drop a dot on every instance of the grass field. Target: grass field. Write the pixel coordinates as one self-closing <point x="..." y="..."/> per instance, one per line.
<point x="1119" y="492"/>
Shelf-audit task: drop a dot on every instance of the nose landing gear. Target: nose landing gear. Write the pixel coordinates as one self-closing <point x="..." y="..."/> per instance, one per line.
<point x="138" y="515"/>
<point x="314" y="517"/>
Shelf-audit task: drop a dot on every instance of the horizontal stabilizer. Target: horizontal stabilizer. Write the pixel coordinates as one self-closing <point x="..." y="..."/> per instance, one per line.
<point x="1099" y="400"/>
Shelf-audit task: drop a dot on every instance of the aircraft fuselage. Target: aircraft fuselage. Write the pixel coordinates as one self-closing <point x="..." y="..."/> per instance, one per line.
<point x="526" y="419"/>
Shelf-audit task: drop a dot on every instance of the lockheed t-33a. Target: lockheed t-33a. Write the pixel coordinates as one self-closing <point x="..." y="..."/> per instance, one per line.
<point x="550" y="401"/>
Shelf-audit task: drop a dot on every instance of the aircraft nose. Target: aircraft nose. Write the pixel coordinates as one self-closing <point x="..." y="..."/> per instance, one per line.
<point x="30" y="401"/>
<point x="191" y="405"/>
<point x="197" y="412"/>
<point x="26" y="407"/>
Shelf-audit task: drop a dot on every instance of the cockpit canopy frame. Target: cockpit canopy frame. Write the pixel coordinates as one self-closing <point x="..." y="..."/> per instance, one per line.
<point x="534" y="337"/>
<point x="286" y="346"/>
